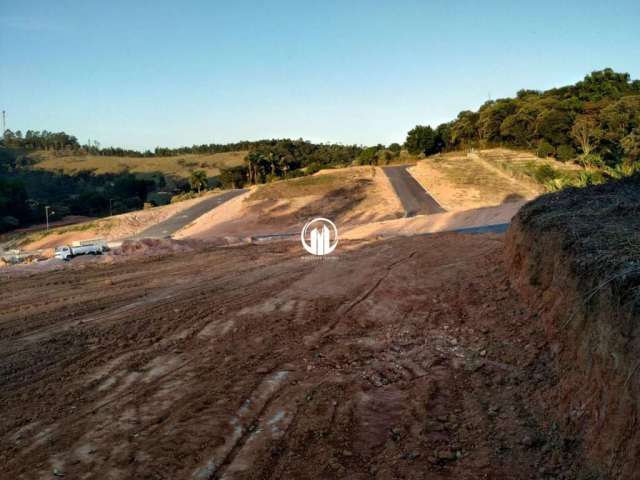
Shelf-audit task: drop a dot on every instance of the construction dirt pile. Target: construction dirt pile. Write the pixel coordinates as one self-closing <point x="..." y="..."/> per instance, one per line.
<point x="405" y="358"/>
<point x="159" y="246"/>
<point x="575" y="256"/>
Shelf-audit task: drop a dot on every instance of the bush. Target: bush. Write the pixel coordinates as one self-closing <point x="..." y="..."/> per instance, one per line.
<point x="295" y="173"/>
<point x="544" y="173"/>
<point x="587" y="178"/>
<point x="556" y="184"/>
<point x="593" y="160"/>
<point x="545" y="149"/>
<point x="312" y="168"/>
<point x="395" y="148"/>
<point x="566" y="153"/>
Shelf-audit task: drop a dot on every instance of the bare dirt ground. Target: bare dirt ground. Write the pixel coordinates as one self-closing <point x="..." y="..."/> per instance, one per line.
<point x="408" y="358"/>
<point x="354" y="195"/>
<point x="439" y="222"/>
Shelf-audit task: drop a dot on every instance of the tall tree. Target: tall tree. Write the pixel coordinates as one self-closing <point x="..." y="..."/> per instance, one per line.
<point x="421" y="139"/>
<point x="586" y="133"/>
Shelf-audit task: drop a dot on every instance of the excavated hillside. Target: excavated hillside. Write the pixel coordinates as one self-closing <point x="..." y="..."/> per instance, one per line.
<point x="575" y="257"/>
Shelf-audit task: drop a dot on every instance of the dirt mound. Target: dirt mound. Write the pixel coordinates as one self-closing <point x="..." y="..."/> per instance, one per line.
<point x="158" y="246"/>
<point x="575" y="255"/>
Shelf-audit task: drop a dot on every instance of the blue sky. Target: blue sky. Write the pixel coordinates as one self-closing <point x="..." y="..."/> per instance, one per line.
<point x="141" y="74"/>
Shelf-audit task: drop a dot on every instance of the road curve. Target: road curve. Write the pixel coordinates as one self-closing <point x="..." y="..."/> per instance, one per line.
<point x="414" y="198"/>
<point x="181" y="219"/>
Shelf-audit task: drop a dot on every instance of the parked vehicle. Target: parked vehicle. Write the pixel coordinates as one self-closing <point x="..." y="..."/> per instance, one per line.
<point x="67" y="252"/>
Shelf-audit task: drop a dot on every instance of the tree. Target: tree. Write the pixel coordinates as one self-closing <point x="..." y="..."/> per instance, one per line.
<point x="491" y="116"/>
<point x="233" y="177"/>
<point x="586" y="133"/>
<point x="554" y="124"/>
<point x="253" y="160"/>
<point x="443" y="136"/>
<point x="519" y="127"/>
<point x="198" y="180"/>
<point x="465" y="128"/>
<point x="395" y="148"/>
<point x="421" y="139"/>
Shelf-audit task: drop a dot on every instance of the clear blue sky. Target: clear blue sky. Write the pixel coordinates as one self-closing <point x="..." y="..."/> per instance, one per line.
<point x="139" y="74"/>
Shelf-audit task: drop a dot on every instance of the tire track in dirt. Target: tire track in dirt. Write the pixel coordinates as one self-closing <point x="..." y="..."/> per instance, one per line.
<point x="406" y="384"/>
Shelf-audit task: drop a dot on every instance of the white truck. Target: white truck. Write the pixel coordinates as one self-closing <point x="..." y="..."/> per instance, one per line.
<point x="86" y="247"/>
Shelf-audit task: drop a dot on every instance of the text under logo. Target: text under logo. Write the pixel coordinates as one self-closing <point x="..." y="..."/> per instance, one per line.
<point x="319" y="236"/>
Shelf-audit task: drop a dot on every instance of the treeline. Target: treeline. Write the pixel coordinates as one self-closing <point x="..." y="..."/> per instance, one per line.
<point x="269" y="160"/>
<point x="36" y="140"/>
<point x="597" y="121"/>
<point x="24" y="193"/>
<point x="209" y="148"/>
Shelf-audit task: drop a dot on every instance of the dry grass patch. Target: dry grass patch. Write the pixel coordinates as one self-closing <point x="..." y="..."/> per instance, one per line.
<point x="179" y="166"/>
<point x="523" y="165"/>
<point x="300" y="187"/>
<point x="459" y="182"/>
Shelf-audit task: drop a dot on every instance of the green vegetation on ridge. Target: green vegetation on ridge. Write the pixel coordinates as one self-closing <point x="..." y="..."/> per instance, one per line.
<point x="596" y="122"/>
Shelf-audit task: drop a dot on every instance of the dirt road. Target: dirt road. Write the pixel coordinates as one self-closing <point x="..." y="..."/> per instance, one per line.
<point x="408" y="358"/>
<point x="185" y="217"/>
<point x="414" y="198"/>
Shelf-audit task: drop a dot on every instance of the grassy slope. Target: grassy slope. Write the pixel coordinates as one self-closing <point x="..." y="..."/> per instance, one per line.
<point x="179" y="166"/>
<point x="462" y="181"/>
<point x="300" y="187"/>
<point x="521" y="164"/>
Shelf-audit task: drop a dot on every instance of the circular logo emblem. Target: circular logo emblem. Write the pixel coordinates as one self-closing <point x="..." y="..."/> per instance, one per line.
<point x="319" y="236"/>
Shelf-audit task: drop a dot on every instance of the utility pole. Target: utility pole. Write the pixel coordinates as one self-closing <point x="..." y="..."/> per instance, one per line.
<point x="4" y="122"/>
<point x="46" y="214"/>
<point x="110" y="207"/>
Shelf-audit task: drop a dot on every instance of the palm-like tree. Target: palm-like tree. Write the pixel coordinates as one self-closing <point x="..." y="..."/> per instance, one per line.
<point x="198" y="180"/>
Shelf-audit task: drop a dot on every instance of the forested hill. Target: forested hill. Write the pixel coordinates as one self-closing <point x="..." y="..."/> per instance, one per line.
<point x="597" y="119"/>
<point x="62" y="142"/>
<point x="41" y="169"/>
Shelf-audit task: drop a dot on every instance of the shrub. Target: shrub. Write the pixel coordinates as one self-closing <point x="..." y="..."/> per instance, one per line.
<point x="545" y="149"/>
<point x="587" y="178"/>
<point x="395" y="148"/>
<point x="556" y="184"/>
<point x="312" y="168"/>
<point x="543" y="173"/>
<point x="566" y="153"/>
<point x="295" y="173"/>
<point x="592" y="160"/>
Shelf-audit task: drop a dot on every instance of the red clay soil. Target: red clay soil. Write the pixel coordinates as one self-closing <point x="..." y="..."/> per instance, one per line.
<point x="409" y="358"/>
<point x="575" y="257"/>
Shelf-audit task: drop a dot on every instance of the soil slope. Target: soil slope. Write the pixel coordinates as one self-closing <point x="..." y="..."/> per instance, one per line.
<point x="348" y="196"/>
<point x="575" y="255"/>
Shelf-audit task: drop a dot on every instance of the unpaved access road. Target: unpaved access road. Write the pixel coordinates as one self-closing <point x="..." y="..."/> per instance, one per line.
<point x="181" y="219"/>
<point x="414" y="198"/>
<point x="408" y="358"/>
